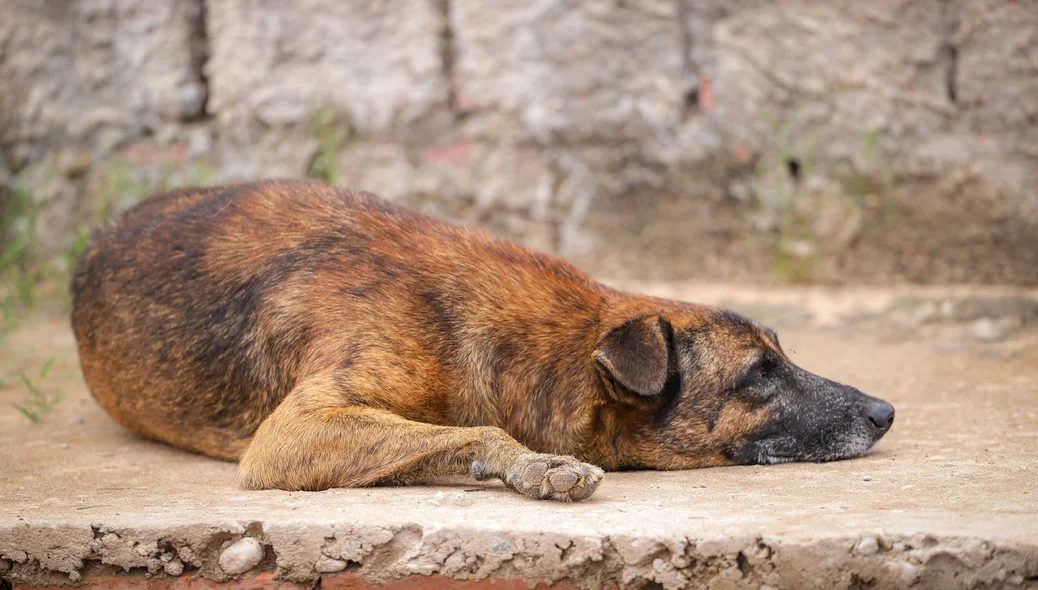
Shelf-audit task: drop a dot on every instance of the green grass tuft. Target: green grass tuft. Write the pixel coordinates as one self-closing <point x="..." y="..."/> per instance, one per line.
<point x="36" y="402"/>
<point x="332" y="132"/>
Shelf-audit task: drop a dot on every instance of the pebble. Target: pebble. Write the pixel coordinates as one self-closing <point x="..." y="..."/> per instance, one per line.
<point x="868" y="546"/>
<point x="454" y="498"/>
<point x="75" y="420"/>
<point x="867" y="478"/>
<point x="502" y="547"/>
<point x="74" y="576"/>
<point x="329" y="565"/>
<point x="241" y="556"/>
<point x="909" y="573"/>
<point x="174" y="567"/>
<point x="63" y="446"/>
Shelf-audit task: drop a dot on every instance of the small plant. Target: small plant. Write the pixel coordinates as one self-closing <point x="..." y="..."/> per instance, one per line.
<point x="792" y="199"/>
<point x="36" y="403"/>
<point x="127" y="186"/>
<point x="77" y="247"/>
<point x="27" y="271"/>
<point x="125" y="189"/>
<point x="331" y="134"/>
<point x="779" y="182"/>
<point x="20" y="271"/>
<point x="872" y="182"/>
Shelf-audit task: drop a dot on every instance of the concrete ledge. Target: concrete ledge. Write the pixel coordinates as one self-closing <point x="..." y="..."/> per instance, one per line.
<point x="948" y="500"/>
<point x="460" y="557"/>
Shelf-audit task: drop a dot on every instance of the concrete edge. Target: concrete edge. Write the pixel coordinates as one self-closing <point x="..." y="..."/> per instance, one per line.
<point x="56" y="555"/>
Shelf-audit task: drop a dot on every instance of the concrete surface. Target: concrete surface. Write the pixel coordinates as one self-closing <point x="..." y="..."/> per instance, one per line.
<point x="949" y="499"/>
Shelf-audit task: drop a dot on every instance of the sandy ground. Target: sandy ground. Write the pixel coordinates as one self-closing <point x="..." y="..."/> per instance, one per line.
<point x="948" y="499"/>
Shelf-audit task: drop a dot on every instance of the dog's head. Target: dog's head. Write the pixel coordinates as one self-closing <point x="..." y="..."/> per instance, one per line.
<point x="710" y="387"/>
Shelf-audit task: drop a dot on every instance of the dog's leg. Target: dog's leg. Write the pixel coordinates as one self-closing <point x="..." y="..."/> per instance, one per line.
<point x="313" y="442"/>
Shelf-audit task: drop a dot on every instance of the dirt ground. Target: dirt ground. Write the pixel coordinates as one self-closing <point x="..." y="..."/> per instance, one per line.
<point x="948" y="499"/>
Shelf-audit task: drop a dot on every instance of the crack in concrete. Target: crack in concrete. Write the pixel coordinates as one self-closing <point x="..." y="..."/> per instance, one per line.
<point x="690" y="100"/>
<point x="199" y="51"/>
<point x="447" y="59"/>
<point x="949" y="52"/>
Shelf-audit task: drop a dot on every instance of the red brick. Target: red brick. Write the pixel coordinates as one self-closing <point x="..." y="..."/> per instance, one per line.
<point x="266" y="581"/>
<point x="434" y="582"/>
<point x="263" y="581"/>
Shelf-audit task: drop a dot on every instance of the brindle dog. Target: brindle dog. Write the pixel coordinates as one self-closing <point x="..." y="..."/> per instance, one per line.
<point x="327" y="338"/>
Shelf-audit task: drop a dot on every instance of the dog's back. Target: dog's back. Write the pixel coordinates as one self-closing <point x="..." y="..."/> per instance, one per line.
<point x="199" y="310"/>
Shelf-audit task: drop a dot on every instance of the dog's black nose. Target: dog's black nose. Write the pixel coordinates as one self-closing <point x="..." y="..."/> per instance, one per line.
<point x="881" y="414"/>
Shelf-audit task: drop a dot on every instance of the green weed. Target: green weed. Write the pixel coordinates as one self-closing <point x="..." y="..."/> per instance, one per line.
<point x="781" y="182"/>
<point x="332" y="133"/>
<point x="20" y="270"/>
<point x="36" y="402"/>
<point x="872" y="182"/>
<point x="77" y="247"/>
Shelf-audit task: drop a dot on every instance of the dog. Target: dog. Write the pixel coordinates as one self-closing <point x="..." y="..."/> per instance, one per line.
<point x="326" y="338"/>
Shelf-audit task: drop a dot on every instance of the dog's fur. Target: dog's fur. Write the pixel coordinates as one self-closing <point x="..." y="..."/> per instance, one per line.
<point x="328" y="338"/>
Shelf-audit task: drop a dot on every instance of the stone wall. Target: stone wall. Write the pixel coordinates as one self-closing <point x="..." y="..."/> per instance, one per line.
<point x="893" y="140"/>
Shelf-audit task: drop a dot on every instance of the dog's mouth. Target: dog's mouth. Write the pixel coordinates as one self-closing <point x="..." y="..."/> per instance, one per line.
<point x="775" y="452"/>
<point x="776" y="458"/>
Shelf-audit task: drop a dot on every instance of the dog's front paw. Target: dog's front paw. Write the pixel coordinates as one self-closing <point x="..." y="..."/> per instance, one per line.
<point x="553" y="477"/>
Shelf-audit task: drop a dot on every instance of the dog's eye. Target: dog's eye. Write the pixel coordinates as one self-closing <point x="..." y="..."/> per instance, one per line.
<point x="763" y="368"/>
<point x="760" y="372"/>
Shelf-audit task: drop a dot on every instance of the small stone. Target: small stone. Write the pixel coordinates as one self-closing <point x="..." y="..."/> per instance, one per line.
<point x="459" y="499"/>
<point x="174" y="567"/>
<point x="991" y="329"/>
<point x="868" y="546"/>
<point x="74" y="576"/>
<point x="75" y="420"/>
<point x="899" y="546"/>
<point x="63" y="446"/>
<point x="147" y="549"/>
<point x="867" y="478"/>
<point x="453" y="498"/>
<point x="909" y="574"/>
<point x="241" y="556"/>
<point x="800" y="249"/>
<point x="502" y="547"/>
<point x="455" y="562"/>
<point x="329" y="565"/>
<point x="1015" y="579"/>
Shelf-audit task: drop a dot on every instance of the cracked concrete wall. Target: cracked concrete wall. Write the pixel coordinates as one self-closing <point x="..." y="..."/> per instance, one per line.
<point x="379" y="62"/>
<point x="894" y="140"/>
<point x="97" y="73"/>
<point x="43" y="556"/>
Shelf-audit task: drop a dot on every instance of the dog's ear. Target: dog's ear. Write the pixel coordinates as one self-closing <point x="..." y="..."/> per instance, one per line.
<point x="634" y="358"/>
